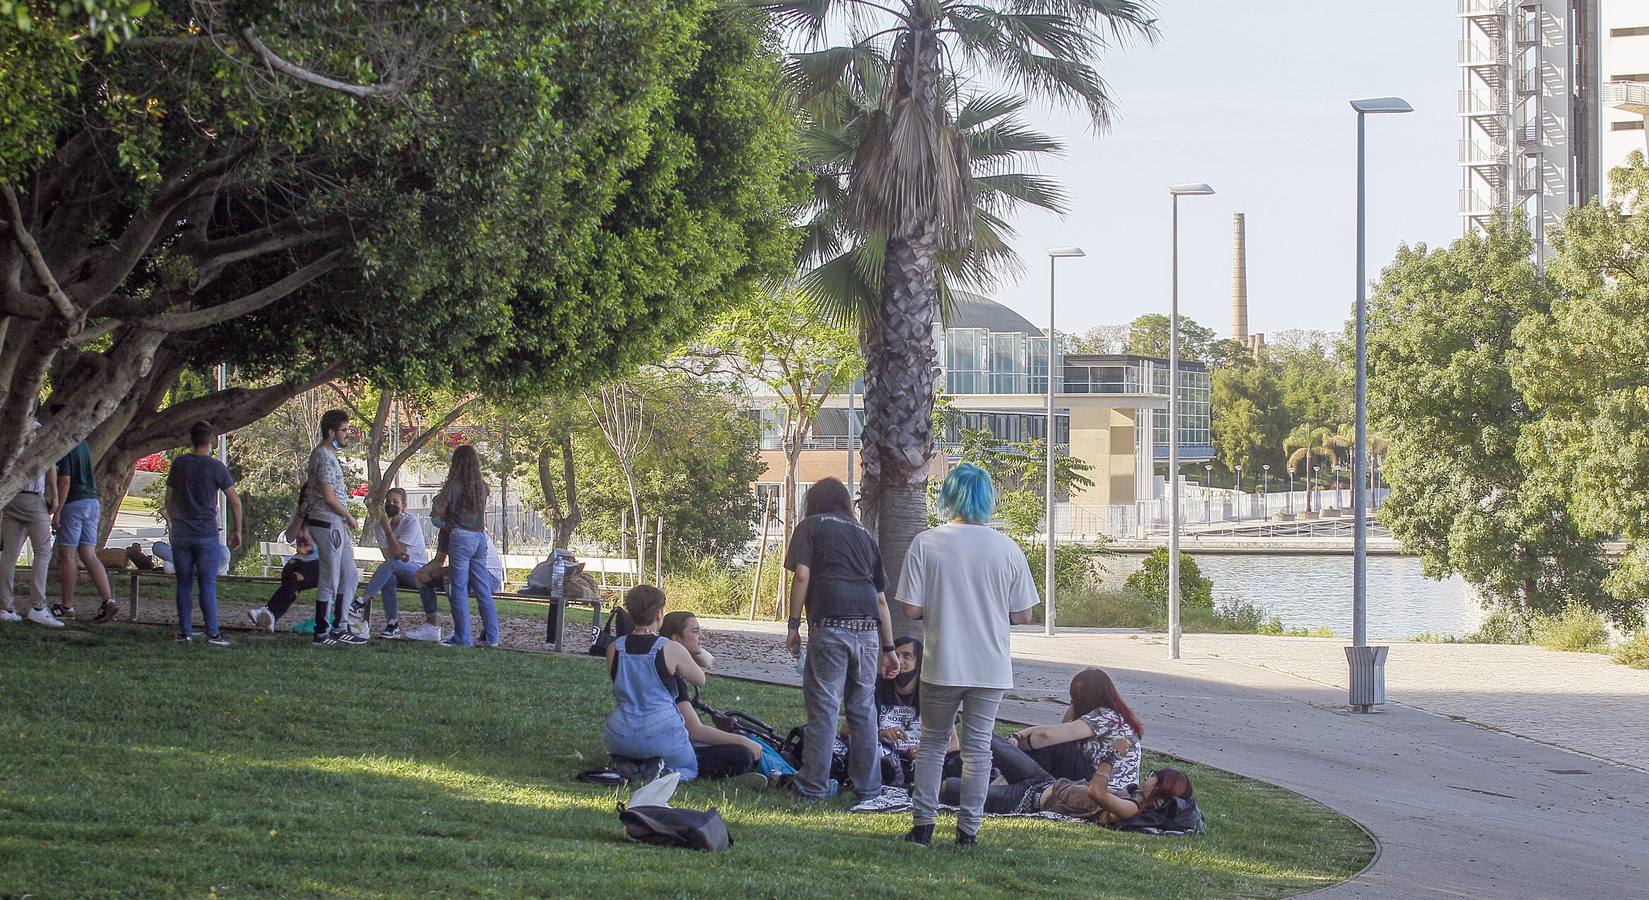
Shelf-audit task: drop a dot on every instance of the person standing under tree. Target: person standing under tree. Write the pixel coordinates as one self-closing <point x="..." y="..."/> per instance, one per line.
<point x="840" y="580"/>
<point x="460" y="507"/>
<point x="29" y="514"/>
<point x="191" y="509"/>
<point x="75" y="522"/>
<point x="966" y="582"/>
<point x="332" y="527"/>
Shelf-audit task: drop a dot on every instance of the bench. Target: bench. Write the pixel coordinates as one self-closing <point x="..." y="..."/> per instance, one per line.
<point x="555" y="607"/>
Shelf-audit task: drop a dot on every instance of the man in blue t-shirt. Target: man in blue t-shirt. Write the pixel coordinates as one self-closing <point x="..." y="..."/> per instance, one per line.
<point x="192" y="488"/>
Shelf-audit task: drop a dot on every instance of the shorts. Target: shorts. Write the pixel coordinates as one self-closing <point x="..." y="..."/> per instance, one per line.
<point x="77" y="525"/>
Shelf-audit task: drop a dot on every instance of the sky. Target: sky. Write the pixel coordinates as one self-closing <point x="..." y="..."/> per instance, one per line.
<point x="1252" y="98"/>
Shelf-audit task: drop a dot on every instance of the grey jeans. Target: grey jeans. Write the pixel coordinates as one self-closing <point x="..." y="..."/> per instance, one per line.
<point x="25" y="515"/>
<point x="939" y="706"/>
<point x="335" y="550"/>
<point x="841" y="666"/>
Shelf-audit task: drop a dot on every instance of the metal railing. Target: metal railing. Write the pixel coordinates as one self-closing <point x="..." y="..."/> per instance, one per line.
<point x="1476" y="53"/>
<point x="1475" y="153"/>
<point x="1481" y="103"/>
<point x="1629" y="95"/>
<point x="1482" y="7"/>
<point x="1473" y="203"/>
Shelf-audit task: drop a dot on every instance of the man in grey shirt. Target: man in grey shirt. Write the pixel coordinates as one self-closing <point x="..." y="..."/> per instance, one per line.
<point x="332" y="527"/>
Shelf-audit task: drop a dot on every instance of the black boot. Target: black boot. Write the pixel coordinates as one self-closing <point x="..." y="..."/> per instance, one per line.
<point x="920" y="834"/>
<point x="963" y="839"/>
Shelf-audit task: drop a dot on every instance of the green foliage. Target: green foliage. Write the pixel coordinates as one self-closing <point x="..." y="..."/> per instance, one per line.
<point x="1098" y="608"/>
<point x="1634" y="651"/>
<point x="1575" y="629"/>
<point x="1020" y="513"/>
<point x="264" y="516"/>
<point x="1441" y="391"/>
<point x="1249" y="419"/>
<point x="1151" y="582"/>
<point x="1503" y="626"/>
<point x="1023" y="465"/>
<point x="1073" y="565"/>
<point x="1432" y="637"/>
<point x="709" y="587"/>
<point x="1275" y="628"/>
<point x="1148" y="336"/>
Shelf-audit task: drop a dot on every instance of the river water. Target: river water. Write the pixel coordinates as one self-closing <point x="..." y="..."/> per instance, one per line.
<point x="1315" y="591"/>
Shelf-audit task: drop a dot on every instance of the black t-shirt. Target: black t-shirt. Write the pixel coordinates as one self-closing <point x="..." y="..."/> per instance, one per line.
<point x="844" y="567"/>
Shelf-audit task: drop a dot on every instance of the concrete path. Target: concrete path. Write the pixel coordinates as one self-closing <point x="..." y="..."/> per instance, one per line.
<point x="1459" y="809"/>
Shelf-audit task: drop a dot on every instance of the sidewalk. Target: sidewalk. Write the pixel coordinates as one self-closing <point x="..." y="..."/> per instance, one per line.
<point x="1459" y="809"/>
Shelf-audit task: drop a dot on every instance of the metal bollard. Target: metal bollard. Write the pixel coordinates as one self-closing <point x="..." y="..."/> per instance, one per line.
<point x="1368" y="676"/>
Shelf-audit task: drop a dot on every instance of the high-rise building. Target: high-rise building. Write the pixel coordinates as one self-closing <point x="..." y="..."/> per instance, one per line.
<point x="1623" y="34"/>
<point x="1527" y="144"/>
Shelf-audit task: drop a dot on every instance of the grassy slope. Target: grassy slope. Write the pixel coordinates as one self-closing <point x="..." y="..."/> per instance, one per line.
<point x="129" y="765"/>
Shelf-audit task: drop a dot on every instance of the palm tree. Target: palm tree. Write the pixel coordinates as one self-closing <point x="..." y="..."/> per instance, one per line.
<point x="913" y="200"/>
<point x="1303" y="444"/>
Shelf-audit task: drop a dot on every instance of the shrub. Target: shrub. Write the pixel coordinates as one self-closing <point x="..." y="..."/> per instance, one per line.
<point x="1432" y="637"/>
<point x="709" y="587"/>
<point x="1151" y="582"/>
<point x="1578" y="629"/>
<point x="1635" y="651"/>
<point x="1073" y="567"/>
<point x="1502" y="627"/>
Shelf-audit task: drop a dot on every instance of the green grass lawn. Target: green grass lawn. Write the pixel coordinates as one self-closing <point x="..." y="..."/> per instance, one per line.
<point x="133" y="766"/>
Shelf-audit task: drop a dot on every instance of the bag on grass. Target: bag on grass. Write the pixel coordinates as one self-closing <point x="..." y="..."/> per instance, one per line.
<point x="667" y="826"/>
<point x="1180" y="816"/>
<point x="618" y="625"/>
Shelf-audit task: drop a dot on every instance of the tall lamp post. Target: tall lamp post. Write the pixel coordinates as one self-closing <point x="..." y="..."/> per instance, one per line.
<point x="1175" y="191"/>
<point x="1368" y="682"/>
<point x="1055" y="254"/>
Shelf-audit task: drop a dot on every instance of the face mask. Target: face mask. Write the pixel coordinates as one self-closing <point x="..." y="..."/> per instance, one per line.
<point x="336" y="444"/>
<point x="392" y="510"/>
<point x="903" y="679"/>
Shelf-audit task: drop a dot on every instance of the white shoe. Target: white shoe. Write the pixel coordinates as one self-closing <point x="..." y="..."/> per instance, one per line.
<point x="42" y="617"/>
<point x="262" y="618"/>
<point x="8" y="615"/>
<point x="424" y="632"/>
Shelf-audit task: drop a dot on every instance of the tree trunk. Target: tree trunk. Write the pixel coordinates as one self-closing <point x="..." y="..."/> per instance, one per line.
<point x="563" y="519"/>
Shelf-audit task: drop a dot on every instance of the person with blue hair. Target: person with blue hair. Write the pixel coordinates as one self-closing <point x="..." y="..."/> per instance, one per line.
<point x="967" y="583"/>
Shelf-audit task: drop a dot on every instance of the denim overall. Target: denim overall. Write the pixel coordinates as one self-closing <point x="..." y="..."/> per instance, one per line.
<point x="645" y="722"/>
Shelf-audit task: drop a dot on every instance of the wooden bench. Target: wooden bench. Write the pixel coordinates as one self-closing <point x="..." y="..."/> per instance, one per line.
<point x="557" y="608"/>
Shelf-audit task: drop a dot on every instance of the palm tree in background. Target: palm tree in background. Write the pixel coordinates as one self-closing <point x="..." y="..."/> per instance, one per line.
<point x="1307" y="443"/>
<point x="916" y="196"/>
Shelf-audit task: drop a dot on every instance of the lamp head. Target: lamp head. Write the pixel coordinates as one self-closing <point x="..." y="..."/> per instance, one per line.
<point x="1375" y="105"/>
<point x="1190" y="188"/>
<point x="1063" y="252"/>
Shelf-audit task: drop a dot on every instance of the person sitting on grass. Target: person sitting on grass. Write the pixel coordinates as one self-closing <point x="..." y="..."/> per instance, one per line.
<point x="645" y="723"/>
<point x="1073" y="748"/>
<point x="720" y="754"/>
<point x="1097" y="800"/>
<point x="402" y="541"/>
<point x="898" y="713"/>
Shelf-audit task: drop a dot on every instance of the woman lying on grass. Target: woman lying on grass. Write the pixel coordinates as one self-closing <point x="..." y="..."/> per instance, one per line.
<point x="1096" y="719"/>
<point x="1096" y="801"/>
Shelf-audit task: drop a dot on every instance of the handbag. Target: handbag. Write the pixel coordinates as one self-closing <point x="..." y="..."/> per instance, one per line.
<point x="618" y="625"/>
<point x="667" y="826"/>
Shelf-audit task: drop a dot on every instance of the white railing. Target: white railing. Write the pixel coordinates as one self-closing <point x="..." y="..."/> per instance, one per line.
<point x="1628" y="95"/>
<point x="1481" y="7"/>
<point x="1479" y="103"/>
<point x="1473" y="203"/>
<point x="1212" y="511"/>
<point x="1475" y="153"/>
<point x="1475" y="53"/>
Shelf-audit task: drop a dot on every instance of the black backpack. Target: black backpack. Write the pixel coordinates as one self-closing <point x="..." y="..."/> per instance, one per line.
<point x="667" y="826"/>
<point x="618" y="625"/>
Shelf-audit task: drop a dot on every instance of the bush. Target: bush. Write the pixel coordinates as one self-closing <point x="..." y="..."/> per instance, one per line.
<point x="1634" y="652"/>
<point x="1577" y="629"/>
<point x="1151" y="583"/>
<point x="1502" y="627"/>
<point x="709" y="587"/>
<point x="264" y="515"/>
<point x="1125" y="609"/>
<point x="1073" y="567"/>
<point x="1432" y="637"/>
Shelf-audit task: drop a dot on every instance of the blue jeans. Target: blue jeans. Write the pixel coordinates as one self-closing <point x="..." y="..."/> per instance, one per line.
<point x="392" y="574"/>
<point x="840" y="671"/>
<point x="196" y="559"/>
<point x="467" y="571"/>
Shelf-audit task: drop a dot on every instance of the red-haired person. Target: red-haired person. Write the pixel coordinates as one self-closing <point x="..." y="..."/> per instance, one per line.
<point x="1075" y="748"/>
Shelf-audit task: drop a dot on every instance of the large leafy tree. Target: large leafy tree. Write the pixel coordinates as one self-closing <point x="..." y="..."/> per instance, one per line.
<point x="478" y="194"/>
<point x="1581" y="367"/>
<point x="913" y="192"/>
<point x="1441" y="391"/>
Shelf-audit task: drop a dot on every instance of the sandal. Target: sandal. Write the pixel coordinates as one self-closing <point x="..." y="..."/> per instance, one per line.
<point x="107" y="612"/>
<point x="62" y="612"/>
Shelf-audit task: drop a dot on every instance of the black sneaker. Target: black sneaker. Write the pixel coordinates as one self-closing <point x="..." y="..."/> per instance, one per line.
<point x="391" y="632"/>
<point x="323" y="639"/>
<point x="217" y="640"/>
<point x="184" y="638"/>
<point x="351" y="639"/>
<point x="919" y="834"/>
<point x="963" y="839"/>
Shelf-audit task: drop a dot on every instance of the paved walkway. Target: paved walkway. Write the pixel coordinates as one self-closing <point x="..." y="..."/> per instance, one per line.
<point x="1495" y="771"/>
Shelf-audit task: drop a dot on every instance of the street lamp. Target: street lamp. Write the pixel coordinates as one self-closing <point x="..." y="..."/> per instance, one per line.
<point x="1054" y="255"/>
<point x="1265" y="489"/>
<point x="1361" y="658"/>
<point x="1208" y="494"/>
<point x="1290" y="504"/>
<point x="1175" y="191"/>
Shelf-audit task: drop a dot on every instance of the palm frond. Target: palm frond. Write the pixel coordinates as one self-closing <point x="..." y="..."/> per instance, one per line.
<point x="1006" y="141"/>
<point x="838" y="290"/>
<point x="1123" y="21"/>
<point x="807" y="18"/>
<point x="1010" y="190"/>
<point x="816" y="73"/>
<point x="982" y="108"/>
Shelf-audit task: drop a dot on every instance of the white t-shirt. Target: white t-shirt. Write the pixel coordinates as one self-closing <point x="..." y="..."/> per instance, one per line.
<point x="411" y="536"/>
<point x="966" y="579"/>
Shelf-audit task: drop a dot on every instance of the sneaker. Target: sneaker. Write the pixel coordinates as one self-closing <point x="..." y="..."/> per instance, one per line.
<point x="262" y="619"/>
<point x="60" y="611"/>
<point x="832" y="788"/>
<point x="107" y="612"/>
<point x="424" y="632"/>
<point x="921" y="835"/>
<point x="183" y="639"/>
<point x="753" y="781"/>
<point x="963" y="839"/>
<point x="351" y="639"/>
<point x="9" y="615"/>
<point x="322" y="639"/>
<point x="452" y="642"/>
<point x="40" y="617"/>
<point x="391" y="632"/>
<point x="217" y="640"/>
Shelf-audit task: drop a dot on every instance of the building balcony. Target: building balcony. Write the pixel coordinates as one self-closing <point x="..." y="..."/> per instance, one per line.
<point x="1631" y="96"/>
<point x="1477" y="53"/>
<point x="1475" y="203"/>
<point x="1474" y="8"/>
<point x="1477" y="153"/>
<point x="1528" y="81"/>
<point x="1481" y="103"/>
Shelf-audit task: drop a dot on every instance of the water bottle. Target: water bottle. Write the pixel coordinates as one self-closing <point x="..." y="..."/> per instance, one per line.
<point x="801" y="661"/>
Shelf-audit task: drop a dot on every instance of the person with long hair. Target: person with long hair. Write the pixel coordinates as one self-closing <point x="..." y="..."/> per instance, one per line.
<point x="839" y="580"/>
<point x="1099" y="799"/>
<point x="1096" y="719"/>
<point x="967" y="583"/>
<point x="898" y="713"/>
<point x="460" y="509"/>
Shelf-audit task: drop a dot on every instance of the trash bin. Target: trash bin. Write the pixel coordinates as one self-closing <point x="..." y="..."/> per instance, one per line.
<point x="1368" y="676"/>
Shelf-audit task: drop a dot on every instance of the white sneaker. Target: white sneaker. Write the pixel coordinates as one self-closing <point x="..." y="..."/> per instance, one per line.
<point x="424" y="632"/>
<point x="41" y="617"/>
<point x="262" y="618"/>
<point x="8" y="615"/>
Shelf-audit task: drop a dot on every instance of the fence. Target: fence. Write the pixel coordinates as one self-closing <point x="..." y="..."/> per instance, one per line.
<point x="1215" y="511"/>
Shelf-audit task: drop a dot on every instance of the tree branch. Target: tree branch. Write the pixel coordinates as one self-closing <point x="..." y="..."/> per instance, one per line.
<point x="227" y="411"/>
<point x="212" y="315"/>
<point x="388" y="89"/>
<point x="20" y="234"/>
